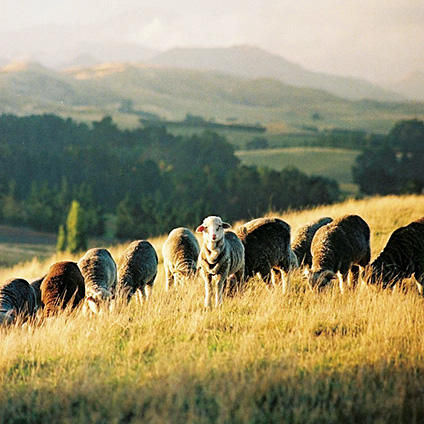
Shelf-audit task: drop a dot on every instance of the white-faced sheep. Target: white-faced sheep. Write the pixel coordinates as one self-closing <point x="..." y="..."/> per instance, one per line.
<point x="402" y="256"/>
<point x="338" y="247"/>
<point x="62" y="286"/>
<point x="180" y="252"/>
<point x="267" y="249"/>
<point x="137" y="269"/>
<point x="221" y="257"/>
<point x="17" y="297"/>
<point x="301" y="244"/>
<point x="99" y="271"/>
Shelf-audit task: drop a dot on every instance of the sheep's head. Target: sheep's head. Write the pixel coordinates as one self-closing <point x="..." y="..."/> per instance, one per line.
<point x="94" y="299"/>
<point x="212" y="229"/>
<point x="320" y="279"/>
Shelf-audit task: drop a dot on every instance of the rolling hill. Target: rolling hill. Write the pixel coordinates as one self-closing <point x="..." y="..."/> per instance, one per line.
<point x="87" y="93"/>
<point x="253" y="62"/>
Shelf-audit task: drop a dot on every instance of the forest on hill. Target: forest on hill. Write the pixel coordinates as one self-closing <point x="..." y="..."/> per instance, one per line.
<point x="148" y="178"/>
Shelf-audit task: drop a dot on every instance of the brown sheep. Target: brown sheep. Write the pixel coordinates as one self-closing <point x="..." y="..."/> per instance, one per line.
<point x="62" y="285"/>
<point x="402" y="256"/>
<point x="340" y="247"/>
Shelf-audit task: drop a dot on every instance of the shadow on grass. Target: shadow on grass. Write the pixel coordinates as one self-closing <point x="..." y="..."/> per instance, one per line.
<point x="261" y="393"/>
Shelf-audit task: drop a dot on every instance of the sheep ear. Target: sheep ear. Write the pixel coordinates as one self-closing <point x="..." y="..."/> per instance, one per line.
<point x="226" y="225"/>
<point x="200" y="229"/>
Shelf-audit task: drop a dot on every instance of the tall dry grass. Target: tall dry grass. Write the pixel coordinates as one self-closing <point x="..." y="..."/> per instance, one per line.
<point x="261" y="357"/>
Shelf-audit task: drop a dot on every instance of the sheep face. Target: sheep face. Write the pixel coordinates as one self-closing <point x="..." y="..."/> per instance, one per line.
<point x="320" y="279"/>
<point x="212" y="229"/>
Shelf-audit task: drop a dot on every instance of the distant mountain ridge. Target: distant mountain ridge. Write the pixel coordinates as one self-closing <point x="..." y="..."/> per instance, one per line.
<point x="253" y="62"/>
<point x="412" y="86"/>
<point x="128" y="91"/>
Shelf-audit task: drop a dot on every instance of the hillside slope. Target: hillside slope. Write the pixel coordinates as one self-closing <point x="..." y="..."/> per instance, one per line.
<point x="253" y="62"/>
<point x="261" y="357"/>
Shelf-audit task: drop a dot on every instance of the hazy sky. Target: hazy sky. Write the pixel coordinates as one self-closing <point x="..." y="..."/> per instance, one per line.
<point x="375" y="39"/>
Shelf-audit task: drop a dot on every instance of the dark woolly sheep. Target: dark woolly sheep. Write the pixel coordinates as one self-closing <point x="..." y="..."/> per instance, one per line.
<point x="180" y="252"/>
<point x="267" y="249"/>
<point x="221" y="258"/>
<point x="62" y="286"/>
<point x="16" y="297"/>
<point x="99" y="271"/>
<point x="137" y="269"/>
<point x="339" y="247"/>
<point x="301" y="244"/>
<point x="402" y="257"/>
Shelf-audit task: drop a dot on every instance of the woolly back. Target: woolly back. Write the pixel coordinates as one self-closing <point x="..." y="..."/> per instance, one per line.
<point x="137" y="265"/>
<point x="17" y="295"/>
<point x="98" y="269"/>
<point x="301" y="244"/>
<point x="63" y="285"/>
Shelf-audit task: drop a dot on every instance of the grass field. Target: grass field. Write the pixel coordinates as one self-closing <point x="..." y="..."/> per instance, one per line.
<point x="261" y="357"/>
<point x="324" y="161"/>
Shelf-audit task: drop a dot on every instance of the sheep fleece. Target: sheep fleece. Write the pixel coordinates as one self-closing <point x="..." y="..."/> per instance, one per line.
<point x="63" y="282"/>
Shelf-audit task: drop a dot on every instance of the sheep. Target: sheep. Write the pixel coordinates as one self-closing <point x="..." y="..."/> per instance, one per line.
<point x="221" y="257"/>
<point x="180" y="252"/>
<point x="301" y="244"/>
<point x="267" y="249"/>
<point x="402" y="256"/>
<point x="17" y="297"/>
<point x="99" y="271"/>
<point x="137" y="269"/>
<point x="62" y="286"/>
<point x="339" y="247"/>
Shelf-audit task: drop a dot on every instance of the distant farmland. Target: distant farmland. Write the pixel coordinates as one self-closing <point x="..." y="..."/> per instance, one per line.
<point x="325" y="161"/>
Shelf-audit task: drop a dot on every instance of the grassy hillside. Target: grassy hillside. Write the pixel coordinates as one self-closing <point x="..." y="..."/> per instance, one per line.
<point x="261" y="357"/>
<point x="328" y="162"/>
<point x="89" y="93"/>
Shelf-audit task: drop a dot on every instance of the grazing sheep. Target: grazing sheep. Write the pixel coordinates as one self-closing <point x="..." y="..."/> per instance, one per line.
<point x="62" y="284"/>
<point x="336" y="247"/>
<point x="402" y="256"/>
<point x="301" y="244"/>
<point x="180" y="252"/>
<point x="221" y="257"/>
<point x="16" y="297"/>
<point x="99" y="271"/>
<point x="137" y="270"/>
<point x="267" y="249"/>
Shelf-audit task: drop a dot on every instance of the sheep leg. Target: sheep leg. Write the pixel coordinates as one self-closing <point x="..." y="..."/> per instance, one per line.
<point x="285" y="278"/>
<point x="169" y="278"/>
<point x="419" y="277"/>
<point x="219" y="283"/>
<point x="353" y="276"/>
<point x="208" y="290"/>
<point x="341" y="282"/>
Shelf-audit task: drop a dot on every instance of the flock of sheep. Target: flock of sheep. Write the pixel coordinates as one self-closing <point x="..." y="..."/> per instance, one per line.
<point x="325" y="249"/>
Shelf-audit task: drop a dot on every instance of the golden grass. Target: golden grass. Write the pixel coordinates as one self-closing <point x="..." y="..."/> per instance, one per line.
<point x="261" y="357"/>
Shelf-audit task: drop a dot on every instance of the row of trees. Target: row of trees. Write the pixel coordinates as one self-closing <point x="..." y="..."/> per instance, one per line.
<point x="148" y="178"/>
<point x="396" y="165"/>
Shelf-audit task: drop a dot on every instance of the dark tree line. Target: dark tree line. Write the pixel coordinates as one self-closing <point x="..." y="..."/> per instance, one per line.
<point x="150" y="179"/>
<point x="396" y="165"/>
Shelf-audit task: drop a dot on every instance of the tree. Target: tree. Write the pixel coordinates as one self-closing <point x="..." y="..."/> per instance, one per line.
<point x="75" y="229"/>
<point x="61" y="239"/>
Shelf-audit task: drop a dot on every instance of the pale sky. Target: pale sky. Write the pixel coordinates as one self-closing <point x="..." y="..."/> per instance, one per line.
<point x="375" y="39"/>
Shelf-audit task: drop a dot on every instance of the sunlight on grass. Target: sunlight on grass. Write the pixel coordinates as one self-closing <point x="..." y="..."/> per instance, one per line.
<point x="261" y="357"/>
